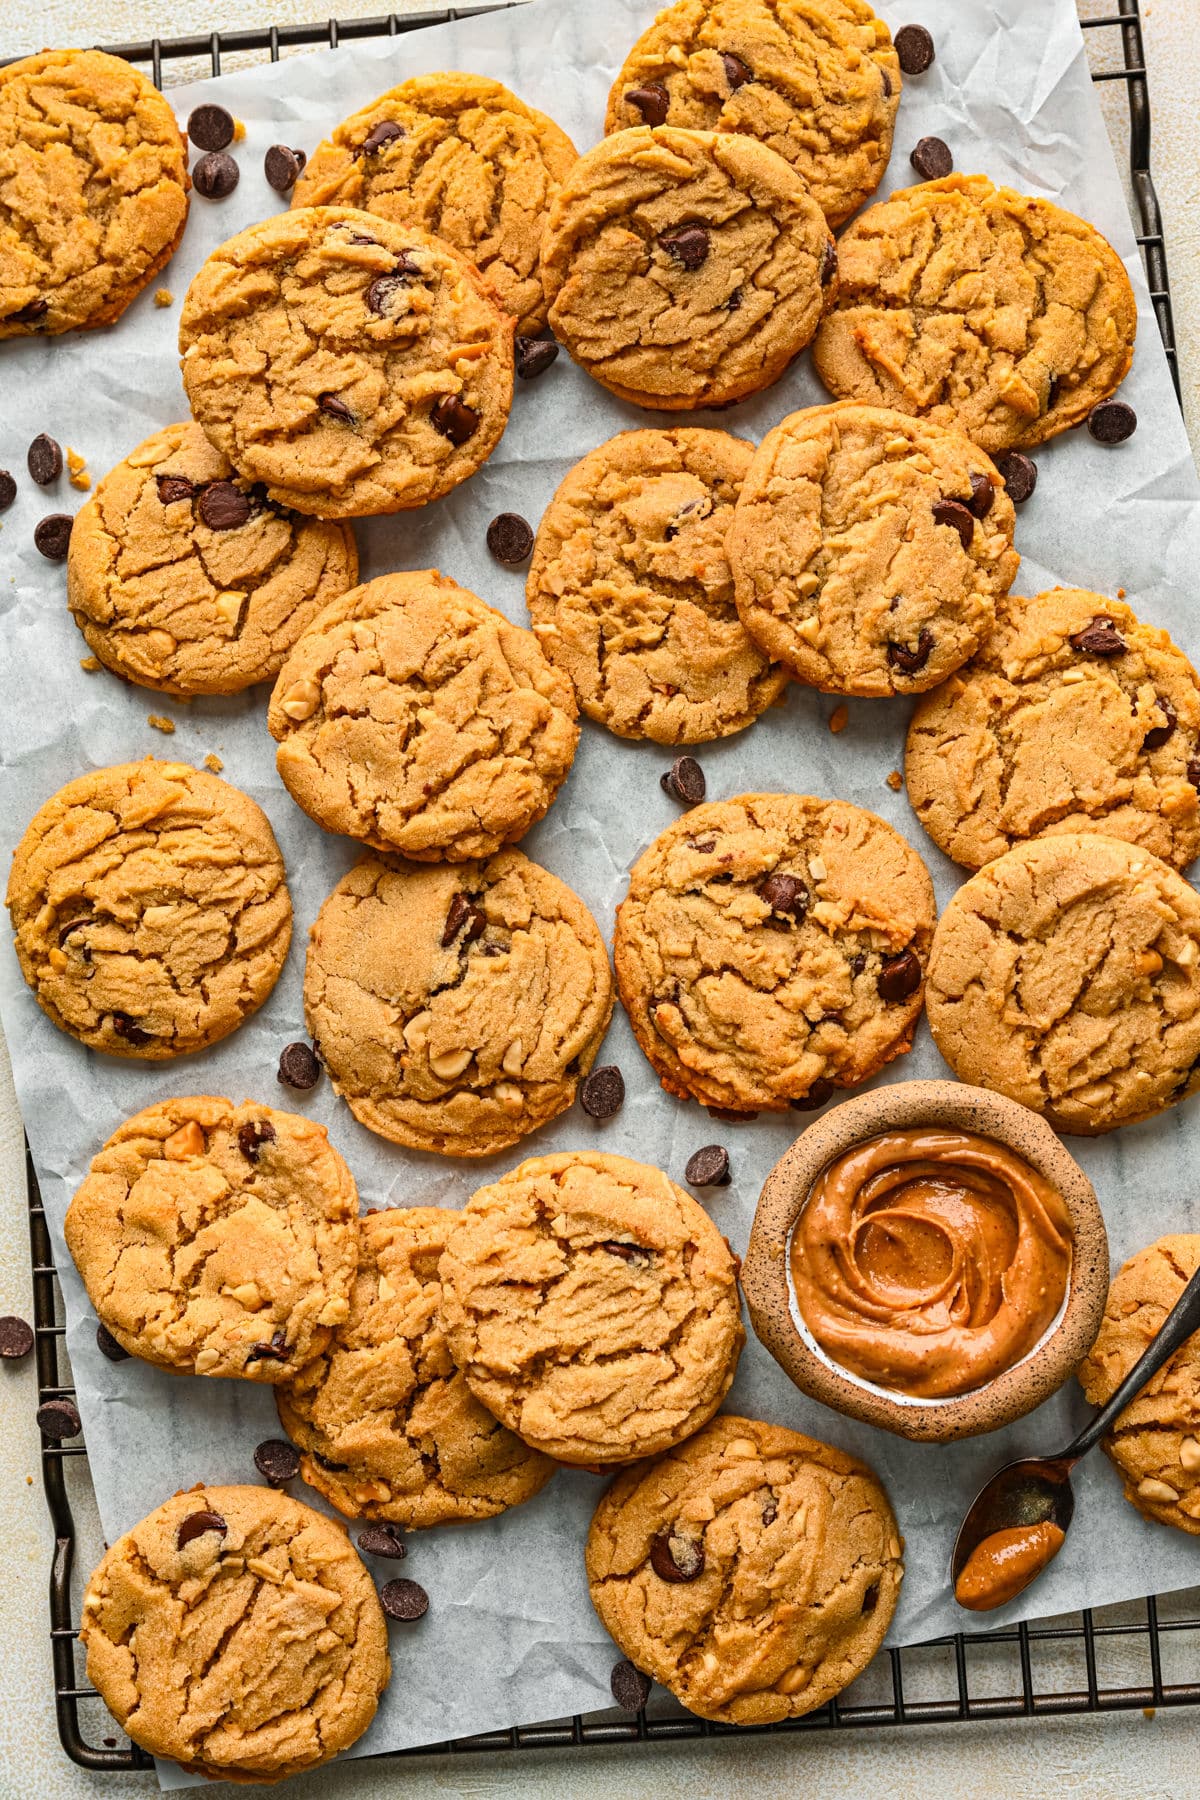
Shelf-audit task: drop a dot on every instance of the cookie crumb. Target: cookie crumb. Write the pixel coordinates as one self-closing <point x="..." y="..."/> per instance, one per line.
<point x="213" y="763"/>
<point x="895" y="781"/>
<point x="839" y="718"/>
<point x="77" y="467"/>
<point x="163" y="297"/>
<point x="239" y="131"/>
<point x="160" y="722"/>
<point x="1148" y="1712"/>
<point x="1120" y="593"/>
<point x="91" y="664"/>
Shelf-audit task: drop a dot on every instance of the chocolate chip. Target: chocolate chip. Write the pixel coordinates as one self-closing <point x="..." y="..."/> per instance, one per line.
<point x="108" y="1346"/>
<point x="871" y="1598"/>
<point x="252" y="1135"/>
<point x="283" y="167"/>
<point x="130" y="1030"/>
<point x="907" y="661"/>
<point x="886" y="82"/>
<point x="223" y="506"/>
<point x="298" y="1067"/>
<point x="8" y="490"/>
<point x="44" y="459"/>
<point x="858" y="963"/>
<point x="737" y="73"/>
<point x="914" y="47"/>
<point x="67" y="930"/>
<point x="510" y="539"/>
<point x="691" y="509"/>
<point x="382" y="1540"/>
<point x="30" y="313"/>
<point x="603" y="1092"/>
<point x="635" y="1254"/>
<point x="277" y="1461"/>
<point x="176" y="487"/>
<point x="327" y="1462"/>
<point x="702" y="845"/>
<point x="688" y="245"/>
<point x="980" y="502"/>
<point x="196" y="1525"/>
<point x="382" y="291"/>
<point x="785" y="894"/>
<point x="403" y="1599"/>
<point x="1100" y="638"/>
<point x="386" y="132"/>
<point x="734" y="301"/>
<point x="958" y="517"/>
<point x="275" y="1351"/>
<point x="652" y="101"/>
<point x="215" y="176"/>
<point x="817" y="1095"/>
<point x="676" y="1558"/>
<point x="454" y="419"/>
<point x="1112" y="422"/>
<point x="1158" y="734"/>
<point x="463" y="912"/>
<point x="210" y="127"/>
<point x="630" y="1688"/>
<point x="931" y="158"/>
<point x="334" y="407"/>
<point x="59" y="1419"/>
<point x="52" y="536"/>
<point x="534" y="356"/>
<point x="1018" y="473"/>
<point x="899" y="976"/>
<point x="708" y="1167"/>
<point x="684" y="781"/>
<point x="16" y="1338"/>
<point x="829" y="263"/>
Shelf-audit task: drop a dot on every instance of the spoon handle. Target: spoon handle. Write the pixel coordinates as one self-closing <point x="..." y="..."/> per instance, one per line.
<point x="1182" y="1320"/>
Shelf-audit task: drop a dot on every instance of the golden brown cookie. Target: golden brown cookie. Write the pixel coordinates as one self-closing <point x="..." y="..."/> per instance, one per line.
<point x="1074" y="716"/>
<point x="1155" y="1444"/>
<point x="216" y="1239"/>
<point x="815" y="80"/>
<point x="349" y="364"/>
<point x="685" y="268"/>
<point x="752" y="1571"/>
<point x="592" y="1307"/>
<point x="237" y="1633"/>
<point x="975" y="306"/>
<point x="869" y="549"/>
<point x="150" y="908"/>
<point x="182" y="579"/>
<point x="456" y="1008"/>
<point x="772" y="948"/>
<point x="93" y="189"/>
<point x="1066" y="974"/>
<point x="461" y="156"/>
<point x="415" y="718"/>
<point x="386" y="1425"/>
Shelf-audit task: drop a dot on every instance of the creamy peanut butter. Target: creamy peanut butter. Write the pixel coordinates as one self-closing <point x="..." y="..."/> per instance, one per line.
<point x="1002" y="1566"/>
<point x="930" y="1261"/>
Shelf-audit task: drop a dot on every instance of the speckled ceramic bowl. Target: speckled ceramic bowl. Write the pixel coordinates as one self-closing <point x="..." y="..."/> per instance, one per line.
<point x="766" y="1279"/>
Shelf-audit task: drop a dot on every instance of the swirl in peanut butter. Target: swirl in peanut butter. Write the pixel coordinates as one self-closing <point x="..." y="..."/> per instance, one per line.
<point x="930" y="1261"/>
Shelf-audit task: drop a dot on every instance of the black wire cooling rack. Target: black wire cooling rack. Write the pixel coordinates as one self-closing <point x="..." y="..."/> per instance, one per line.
<point x="1142" y="1656"/>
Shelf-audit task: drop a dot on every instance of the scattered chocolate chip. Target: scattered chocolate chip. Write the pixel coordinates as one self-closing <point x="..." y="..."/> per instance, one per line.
<point x="737" y="73"/>
<point x="223" y="506"/>
<point x="603" y="1092"/>
<point x="299" y="1067"/>
<point x="196" y="1524"/>
<point x="652" y="101"/>
<point x="382" y="1540"/>
<point x="785" y="894"/>
<point x="334" y="407"/>
<point x="16" y="1338"/>
<point x="31" y="312"/>
<point x="630" y="1688"/>
<point x="1158" y="734"/>
<point x="8" y="490"/>
<point x="252" y="1135"/>
<point x="871" y="1598"/>
<point x="1100" y="638"/>
<point x="708" y="1167"/>
<point x="283" y="167"/>
<point x="958" y="517"/>
<point x="44" y="459"/>
<point x="276" y="1350"/>
<point x="175" y="487"/>
<point x="403" y="1599"/>
<point x="52" y="536"/>
<point x="980" y="502"/>
<point x="454" y="419"/>
<point x="817" y="1095"/>
<point x="510" y="539"/>
<point x="1018" y="473"/>
<point x="770" y="1511"/>
<point x="386" y="132"/>
<point x="635" y="1254"/>
<point x="829" y="264"/>
<point x="108" y="1346"/>
<point x="688" y="245"/>
<point x="931" y="158"/>
<point x="59" y="1419"/>
<point x="1193" y="770"/>
<point x="1112" y="422"/>
<point x="534" y="356"/>
<point x="215" y="176"/>
<point x="277" y="1461"/>
<point x="210" y="127"/>
<point x="684" y="781"/>
<point x="130" y="1030"/>
<point x="907" y="661"/>
<point x="899" y="976"/>
<point x="914" y="47"/>
<point x="676" y="1558"/>
<point x="463" y="912"/>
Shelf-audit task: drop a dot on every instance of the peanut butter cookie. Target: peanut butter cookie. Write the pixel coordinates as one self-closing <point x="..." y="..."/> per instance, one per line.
<point x="415" y="718"/>
<point x="772" y="948"/>
<point x="815" y="80"/>
<point x="592" y="1307"/>
<point x="1066" y="974"/>
<point x="631" y="592"/>
<point x="752" y="1571"/>
<point x="237" y="1633"/>
<point x="1073" y="716"/>
<point x="182" y="579"/>
<point x="387" y="1426"/>
<point x="461" y="156"/>
<point x="93" y="189"/>
<point x="150" y="909"/>
<point x="1155" y="1444"/>
<point x="349" y="364"/>
<point x="685" y="268"/>
<point x="869" y="549"/>
<point x="216" y="1239"/>
<point x="457" y="1009"/>
<point x="975" y="306"/>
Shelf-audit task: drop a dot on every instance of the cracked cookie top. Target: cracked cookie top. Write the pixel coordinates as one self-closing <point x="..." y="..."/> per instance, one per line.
<point x="150" y="908"/>
<point x="592" y="1306"/>
<point x="1066" y="974"/>
<point x="818" y="84"/>
<point x="456" y="1009"/>
<point x="461" y="156"/>
<point x="631" y="594"/>
<point x="182" y="578"/>
<point x="386" y="1424"/>
<point x="236" y="1632"/>
<point x="216" y="1239"/>
<point x="414" y="717"/>
<point x="1155" y="1443"/>
<point x="869" y="549"/>
<point x="93" y="189"/>
<point x="685" y="268"/>
<point x="752" y="1571"/>
<point x="772" y="948"/>
<point x="1074" y="716"/>
<point x="349" y="364"/>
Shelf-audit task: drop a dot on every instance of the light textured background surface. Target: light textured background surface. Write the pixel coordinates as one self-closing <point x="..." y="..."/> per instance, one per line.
<point x="1127" y="1755"/>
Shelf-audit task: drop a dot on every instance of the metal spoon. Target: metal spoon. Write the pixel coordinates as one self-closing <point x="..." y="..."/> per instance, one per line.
<point x="1038" y="1488"/>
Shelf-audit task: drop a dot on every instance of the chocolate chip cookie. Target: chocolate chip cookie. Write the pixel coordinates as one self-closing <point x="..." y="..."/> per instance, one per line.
<point x="461" y="156"/>
<point x="975" y="306"/>
<point x="349" y="364"/>
<point x="93" y="189"/>
<point x="457" y="1009"/>
<point x="869" y="549"/>
<point x="772" y="948"/>
<point x="237" y="1633"/>
<point x="150" y="909"/>
<point x="387" y="1427"/>
<point x="631" y="593"/>
<point x="216" y="1239"/>
<point x="685" y="268"/>
<point x="752" y="1571"/>
<point x="181" y="578"/>
<point x="1066" y="974"/>
<point x="415" y="718"/>
<point x="592" y="1307"/>
<point x="818" y="83"/>
<point x="1074" y="716"/>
